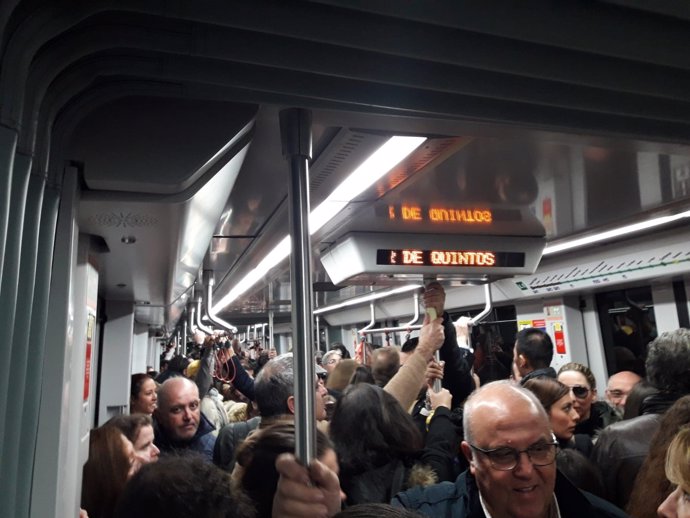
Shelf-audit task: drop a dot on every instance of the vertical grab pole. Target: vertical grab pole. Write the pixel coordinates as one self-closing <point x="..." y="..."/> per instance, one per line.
<point x="295" y="130"/>
<point x="271" y="343"/>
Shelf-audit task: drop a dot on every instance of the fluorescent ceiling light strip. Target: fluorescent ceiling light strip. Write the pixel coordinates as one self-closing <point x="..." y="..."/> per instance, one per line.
<point x="379" y="163"/>
<point x="367" y="298"/>
<point x="617" y="232"/>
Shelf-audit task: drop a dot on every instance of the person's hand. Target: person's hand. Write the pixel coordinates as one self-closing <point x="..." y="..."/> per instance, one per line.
<point x="431" y="337"/>
<point x="434" y="297"/>
<point x="441" y="398"/>
<point x="434" y="371"/>
<point x="305" y="492"/>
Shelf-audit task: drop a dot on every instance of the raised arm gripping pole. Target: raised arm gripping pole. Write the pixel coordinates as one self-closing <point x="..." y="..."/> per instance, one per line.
<point x="464" y="325"/>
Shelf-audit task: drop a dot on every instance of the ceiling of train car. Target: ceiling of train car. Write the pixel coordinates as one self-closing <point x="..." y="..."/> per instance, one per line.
<point x="606" y="75"/>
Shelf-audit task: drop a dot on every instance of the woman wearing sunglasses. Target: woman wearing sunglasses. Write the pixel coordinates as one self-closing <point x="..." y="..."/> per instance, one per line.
<point x="558" y="402"/>
<point x="594" y="415"/>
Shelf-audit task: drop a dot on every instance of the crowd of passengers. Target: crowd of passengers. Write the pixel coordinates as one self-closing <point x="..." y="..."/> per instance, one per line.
<point x="215" y="437"/>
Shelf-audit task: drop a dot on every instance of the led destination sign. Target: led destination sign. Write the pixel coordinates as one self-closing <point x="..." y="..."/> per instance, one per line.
<point x="441" y="258"/>
<point x="440" y="214"/>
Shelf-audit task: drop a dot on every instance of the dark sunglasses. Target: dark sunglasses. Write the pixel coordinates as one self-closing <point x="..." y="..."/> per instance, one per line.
<point x="579" y="391"/>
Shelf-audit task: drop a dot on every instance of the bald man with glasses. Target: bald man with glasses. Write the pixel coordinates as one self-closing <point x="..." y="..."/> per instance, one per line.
<point x="512" y="452"/>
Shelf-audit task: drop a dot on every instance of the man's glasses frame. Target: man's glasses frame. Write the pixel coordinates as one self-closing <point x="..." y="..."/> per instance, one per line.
<point x="496" y="456"/>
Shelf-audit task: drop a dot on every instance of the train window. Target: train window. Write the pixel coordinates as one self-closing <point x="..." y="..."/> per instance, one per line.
<point x="628" y="324"/>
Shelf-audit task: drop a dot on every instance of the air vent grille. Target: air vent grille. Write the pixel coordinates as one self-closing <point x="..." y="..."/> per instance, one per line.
<point x="123" y="220"/>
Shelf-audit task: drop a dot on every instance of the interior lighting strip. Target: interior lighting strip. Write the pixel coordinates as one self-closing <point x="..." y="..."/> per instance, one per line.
<point x="616" y="232"/>
<point x="377" y="165"/>
<point x="367" y="298"/>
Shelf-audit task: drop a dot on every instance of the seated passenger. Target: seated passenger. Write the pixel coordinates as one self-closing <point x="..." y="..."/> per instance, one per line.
<point x="111" y="462"/>
<point x="179" y="424"/>
<point x="379" y="447"/>
<point x="532" y="355"/>
<point x="594" y="415"/>
<point x="677" y="505"/>
<point x="181" y="487"/>
<point x="558" y="401"/>
<point x="512" y="454"/>
<point x="651" y="486"/>
<point x="143" y="397"/>
<point x="138" y="428"/>
<point x="255" y="474"/>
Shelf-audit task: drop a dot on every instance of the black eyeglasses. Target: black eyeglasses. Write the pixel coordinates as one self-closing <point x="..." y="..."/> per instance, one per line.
<point x="505" y="459"/>
<point x="579" y="391"/>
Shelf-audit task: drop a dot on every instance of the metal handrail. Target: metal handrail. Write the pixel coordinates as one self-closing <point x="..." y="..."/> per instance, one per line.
<point x="409" y="326"/>
<point x="208" y="303"/>
<point x="487" y="308"/>
<point x="199" y="325"/>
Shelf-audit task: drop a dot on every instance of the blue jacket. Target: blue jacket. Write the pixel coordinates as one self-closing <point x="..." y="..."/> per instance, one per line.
<point x="460" y="499"/>
<point x="202" y="442"/>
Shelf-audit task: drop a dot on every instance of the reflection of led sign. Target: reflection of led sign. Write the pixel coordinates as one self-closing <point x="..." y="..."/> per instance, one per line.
<point x="439" y="214"/>
<point x="471" y="258"/>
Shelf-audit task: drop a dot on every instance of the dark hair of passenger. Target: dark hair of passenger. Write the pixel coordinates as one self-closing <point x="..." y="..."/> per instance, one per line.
<point x="362" y="374"/>
<point x="410" y="345"/>
<point x="385" y="365"/>
<point x="651" y="485"/>
<point x="340" y="347"/>
<point x="178" y="364"/>
<point x="640" y="391"/>
<point x="535" y="345"/>
<point x="369" y="429"/>
<point x="130" y="425"/>
<point x="582" y="472"/>
<point x="378" y="510"/>
<point x="105" y="472"/>
<point x="179" y="487"/>
<point x="136" y="383"/>
<point x="668" y="362"/>
<point x="256" y="475"/>
<point x="547" y="390"/>
<point x="274" y="385"/>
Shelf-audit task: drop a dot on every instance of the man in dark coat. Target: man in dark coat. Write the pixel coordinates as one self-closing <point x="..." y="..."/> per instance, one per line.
<point x="179" y="424"/>
<point x="512" y="452"/>
<point x="532" y="355"/>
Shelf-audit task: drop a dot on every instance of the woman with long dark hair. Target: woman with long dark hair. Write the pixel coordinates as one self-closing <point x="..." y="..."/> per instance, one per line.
<point x="380" y="449"/>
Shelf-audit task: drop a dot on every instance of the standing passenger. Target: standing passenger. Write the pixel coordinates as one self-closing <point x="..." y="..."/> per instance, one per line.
<point x="512" y="474"/>
<point x="594" y="415"/>
<point x="532" y="355"/>
<point x="622" y="447"/>
<point x="618" y="388"/>
<point x="178" y="422"/>
<point x="143" y="397"/>
<point x="677" y="505"/>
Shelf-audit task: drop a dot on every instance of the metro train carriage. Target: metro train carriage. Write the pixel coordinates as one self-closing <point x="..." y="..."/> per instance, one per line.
<point x="295" y="171"/>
